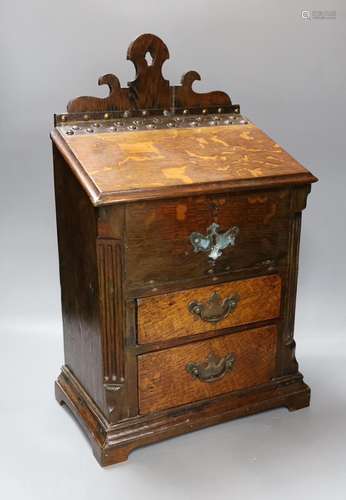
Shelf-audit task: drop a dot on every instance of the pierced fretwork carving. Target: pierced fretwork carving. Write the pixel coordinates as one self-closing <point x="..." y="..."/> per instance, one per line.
<point x="150" y="90"/>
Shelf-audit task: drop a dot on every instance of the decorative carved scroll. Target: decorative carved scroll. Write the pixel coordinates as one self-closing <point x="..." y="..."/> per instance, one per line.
<point x="150" y="90"/>
<point x="117" y="98"/>
<point x="186" y="97"/>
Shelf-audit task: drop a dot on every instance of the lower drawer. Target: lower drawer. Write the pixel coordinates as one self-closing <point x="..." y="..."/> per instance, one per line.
<point x="205" y="369"/>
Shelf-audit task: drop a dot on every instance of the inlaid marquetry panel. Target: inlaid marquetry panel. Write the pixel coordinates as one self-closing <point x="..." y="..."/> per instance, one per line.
<point x="161" y="158"/>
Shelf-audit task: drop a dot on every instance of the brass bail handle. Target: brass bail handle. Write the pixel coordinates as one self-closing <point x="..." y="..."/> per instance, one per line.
<point x="215" y="309"/>
<point x="213" y="369"/>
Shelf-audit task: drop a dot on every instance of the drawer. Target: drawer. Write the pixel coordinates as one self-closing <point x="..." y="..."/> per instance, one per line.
<point x="199" y="310"/>
<point x="248" y="229"/>
<point x="202" y="370"/>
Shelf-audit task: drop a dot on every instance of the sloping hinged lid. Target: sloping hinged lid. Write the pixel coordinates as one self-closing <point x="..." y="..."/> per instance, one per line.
<point x="153" y="140"/>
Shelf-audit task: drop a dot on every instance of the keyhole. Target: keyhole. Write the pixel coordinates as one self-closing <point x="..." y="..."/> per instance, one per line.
<point x="148" y="58"/>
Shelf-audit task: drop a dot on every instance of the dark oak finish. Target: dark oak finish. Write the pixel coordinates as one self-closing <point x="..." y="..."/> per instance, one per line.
<point x="149" y="89"/>
<point x="76" y="222"/>
<point x="158" y="236"/>
<point x="113" y="443"/>
<point x="161" y="339"/>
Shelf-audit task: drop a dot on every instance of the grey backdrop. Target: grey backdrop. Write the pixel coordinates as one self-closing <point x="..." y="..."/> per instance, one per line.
<point x="288" y="75"/>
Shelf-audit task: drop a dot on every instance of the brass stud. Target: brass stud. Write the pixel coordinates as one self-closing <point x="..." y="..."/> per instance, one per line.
<point x="166" y="112"/>
<point x="86" y="117"/>
<point x="63" y="118"/>
<point x="69" y="132"/>
<point x="131" y="127"/>
<point x="185" y="112"/>
<point x="106" y="116"/>
<point x="204" y="111"/>
<point x="193" y="124"/>
<point x="144" y="112"/>
<point x="219" y="110"/>
<point x="126" y="114"/>
<point x="96" y="125"/>
<point x="150" y="126"/>
<point x="170" y="124"/>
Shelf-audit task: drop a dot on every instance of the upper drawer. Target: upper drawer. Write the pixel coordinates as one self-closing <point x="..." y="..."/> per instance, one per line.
<point x="190" y="312"/>
<point x="162" y="237"/>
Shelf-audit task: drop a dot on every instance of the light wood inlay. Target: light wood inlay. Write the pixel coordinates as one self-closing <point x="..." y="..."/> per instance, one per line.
<point x="158" y="235"/>
<point x="159" y="158"/>
<point x="164" y="317"/>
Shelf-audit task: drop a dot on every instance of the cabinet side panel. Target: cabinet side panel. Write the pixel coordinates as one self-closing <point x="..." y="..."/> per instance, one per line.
<point x="76" y="225"/>
<point x="287" y="361"/>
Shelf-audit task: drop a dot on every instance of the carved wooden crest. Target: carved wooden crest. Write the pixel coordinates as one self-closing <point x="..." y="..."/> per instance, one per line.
<point x="150" y="90"/>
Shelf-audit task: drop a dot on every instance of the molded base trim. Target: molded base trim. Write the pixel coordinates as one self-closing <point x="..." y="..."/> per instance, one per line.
<point x="112" y="443"/>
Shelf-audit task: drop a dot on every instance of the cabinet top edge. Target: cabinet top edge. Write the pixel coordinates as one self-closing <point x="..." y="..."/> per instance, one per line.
<point x="102" y="192"/>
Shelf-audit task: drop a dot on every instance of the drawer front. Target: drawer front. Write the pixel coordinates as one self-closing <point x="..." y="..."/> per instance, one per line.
<point x="202" y="370"/>
<point x="199" y="310"/>
<point x="251" y="230"/>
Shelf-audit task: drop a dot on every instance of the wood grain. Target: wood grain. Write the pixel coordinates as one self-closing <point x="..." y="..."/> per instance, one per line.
<point x="165" y="383"/>
<point x="149" y="90"/>
<point x="113" y="443"/>
<point x="158" y="236"/>
<point x="121" y="162"/>
<point x="186" y="97"/>
<point x="76" y="225"/>
<point x="165" y="317"/>
<point x="110" y="266"/>
<point x="127" y="203"/>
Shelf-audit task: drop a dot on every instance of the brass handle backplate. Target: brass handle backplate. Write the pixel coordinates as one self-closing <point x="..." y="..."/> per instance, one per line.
<point x="213" y="369"/>
<point x="214" y="310"/>
<point x="214" y="242"/>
